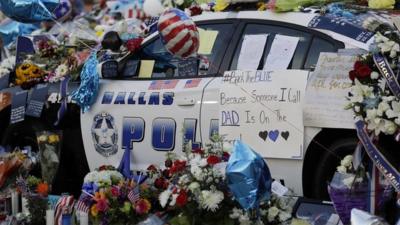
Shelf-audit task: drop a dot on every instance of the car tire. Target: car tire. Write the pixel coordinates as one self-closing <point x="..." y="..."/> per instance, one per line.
<point x="326" y="166"/>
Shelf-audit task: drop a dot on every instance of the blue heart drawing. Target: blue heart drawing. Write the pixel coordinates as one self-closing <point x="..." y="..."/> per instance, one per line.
<point x="273" y="135"/>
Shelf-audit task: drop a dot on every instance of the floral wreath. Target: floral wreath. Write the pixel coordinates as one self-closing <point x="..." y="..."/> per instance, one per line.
<point x="370" y="97"/>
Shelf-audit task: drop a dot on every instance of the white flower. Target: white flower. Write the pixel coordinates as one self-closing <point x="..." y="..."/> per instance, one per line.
<point x="236" y="213"/>
<point x="382" y="107"/>
<point x="382" y="84"/>
<point x="244" y="220"/>
<point x="374" y="75"/>
<point x="394" y="112"/>
<point x="357" y="108"/>
<point x="341" y="169"/>
<point x="173" y="200"/>
<point x="164" y="196"/>
<point x="389" y="127"/>
<point x="210" y="200"/>
<point x="197" y="173"/>
<point x="359" y="91"/>
<point x="179" y="2"/>
<point x="347" y="161"/>
<point x="61" y="70"/>
<point x="194" y="186"/>
<point x="184" y="179"/>
<point x="284" y="216"/>
<point x="272" y="213"/>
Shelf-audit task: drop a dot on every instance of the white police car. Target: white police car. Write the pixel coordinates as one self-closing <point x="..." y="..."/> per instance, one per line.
<point x="155" y="97"/>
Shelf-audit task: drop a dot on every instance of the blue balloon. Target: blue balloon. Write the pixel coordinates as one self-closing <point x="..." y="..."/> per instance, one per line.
<point x="29" y="11"/>
<point x="248" y="177"/>
<point x="10" y="30"/>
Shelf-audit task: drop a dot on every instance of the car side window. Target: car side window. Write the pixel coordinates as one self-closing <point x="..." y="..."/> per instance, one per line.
<point x="163" y="65"/>
<point x="300" y="53"/>
<point x="318" y="45"/>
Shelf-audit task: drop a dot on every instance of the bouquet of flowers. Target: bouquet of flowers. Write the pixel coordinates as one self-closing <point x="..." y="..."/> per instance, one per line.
<point x="348" y="189"/>
<point x="370" y="97"/>
<point x="49" y="148"/>
<point x="113" y="200"/>
<point x="192" y="187"/>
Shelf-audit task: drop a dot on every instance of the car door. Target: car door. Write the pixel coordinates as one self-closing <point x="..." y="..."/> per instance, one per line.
<point x="305" y="57"/>
<point x="156" y="105"/>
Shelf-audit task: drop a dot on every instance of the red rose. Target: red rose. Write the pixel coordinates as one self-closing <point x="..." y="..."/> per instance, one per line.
<point x="161" y="183"/>
<point x="357" y="65"/>
<point x="134" y="44"/>
<point x="152" y="168"/>
<point x="178" y="166"/>
<point x="182" y="198"/>
<point x="364" y="71"/>
<point x="195" y="10"/>
<point x="212" y="160"/>
<point x="352" y="75"/>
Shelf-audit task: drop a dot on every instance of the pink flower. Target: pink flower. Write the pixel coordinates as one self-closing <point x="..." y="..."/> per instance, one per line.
<point x="115" y="191"/>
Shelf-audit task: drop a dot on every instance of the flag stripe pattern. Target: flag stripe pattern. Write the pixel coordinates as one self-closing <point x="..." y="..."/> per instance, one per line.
<point x="134" y="195"/>
<point x="179" y="33"/>
<point x="63" y="203"/>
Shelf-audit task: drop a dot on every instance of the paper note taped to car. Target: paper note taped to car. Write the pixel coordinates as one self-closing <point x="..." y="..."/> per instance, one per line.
<point x="329" y="83"/>
<point x="264" y="109"/>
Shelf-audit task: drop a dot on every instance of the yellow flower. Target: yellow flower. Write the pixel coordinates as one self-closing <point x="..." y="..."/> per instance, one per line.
<point x="53" y="138"/>
<point x="220" y="5"/>
<point x="94" y="211"/>
<point x="381" y="4"/>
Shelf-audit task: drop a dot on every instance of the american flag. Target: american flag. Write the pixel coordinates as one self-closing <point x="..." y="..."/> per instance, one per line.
<point x="81" y="206"/>
<point x="134" y="194"/>
<point x="192" y="83"/>
<point x="170" y="84"/>
<point x="156" y="85"/>
<point x="136" y="12"/>
<point x="179" y="33"/>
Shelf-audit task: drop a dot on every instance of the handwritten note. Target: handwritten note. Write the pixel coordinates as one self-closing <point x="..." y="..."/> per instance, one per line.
<point x="146" y="68"/>
<point x="329" y="83"/>
<point x="207" y="41"/>
<point x="281" y="53"/>
<point x="251" y="51"/>
<point x="263" y="108"/>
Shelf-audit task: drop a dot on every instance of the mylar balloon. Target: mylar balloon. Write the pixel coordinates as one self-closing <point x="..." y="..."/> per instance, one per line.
<point x="153" y="7"/>
<point x="29" y="11"/>
<point x="10" y="30"/>
<point x="248" y="176"/>
<point x="178" y="33"/>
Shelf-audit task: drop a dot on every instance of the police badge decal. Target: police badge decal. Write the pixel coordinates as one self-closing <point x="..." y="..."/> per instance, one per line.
<point x="105" y="134"/>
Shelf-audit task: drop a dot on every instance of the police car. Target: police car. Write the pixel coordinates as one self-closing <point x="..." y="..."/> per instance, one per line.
<point x="151" y="110"/>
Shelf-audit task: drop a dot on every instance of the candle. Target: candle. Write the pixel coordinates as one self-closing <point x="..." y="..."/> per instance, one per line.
<point x="84" y="218"/>
<point x="49" y="217"/>
<point x="24" y="202"/>
<point x="14" y="202"/>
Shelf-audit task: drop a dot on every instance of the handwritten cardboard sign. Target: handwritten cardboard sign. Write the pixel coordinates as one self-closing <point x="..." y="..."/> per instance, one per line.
<point x="326" y="92"/>
<point x="264" y="109"/>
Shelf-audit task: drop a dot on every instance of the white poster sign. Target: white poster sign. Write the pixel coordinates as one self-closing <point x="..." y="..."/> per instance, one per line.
<point x="281" y="53"/>
<point x="264" y="109"/>
<point x="251" y="51"/>
<point x="326" y="93"/>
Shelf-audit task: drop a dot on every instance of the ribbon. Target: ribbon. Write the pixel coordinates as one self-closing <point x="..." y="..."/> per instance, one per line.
<point x="387" y="72"/>
<point x="86" y="94"/>
<point x="125" y="164"/>
<point x="383" y="165"/>
<point x="64" y="100"/>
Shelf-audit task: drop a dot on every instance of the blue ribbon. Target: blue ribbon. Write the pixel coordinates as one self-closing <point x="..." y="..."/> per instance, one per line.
<point x="383" y="165"/>
<point x="125" y="164"/>
<point x="86" y="94"/>
<point x="64" y="100"/>
<point x="387" y="72"/>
